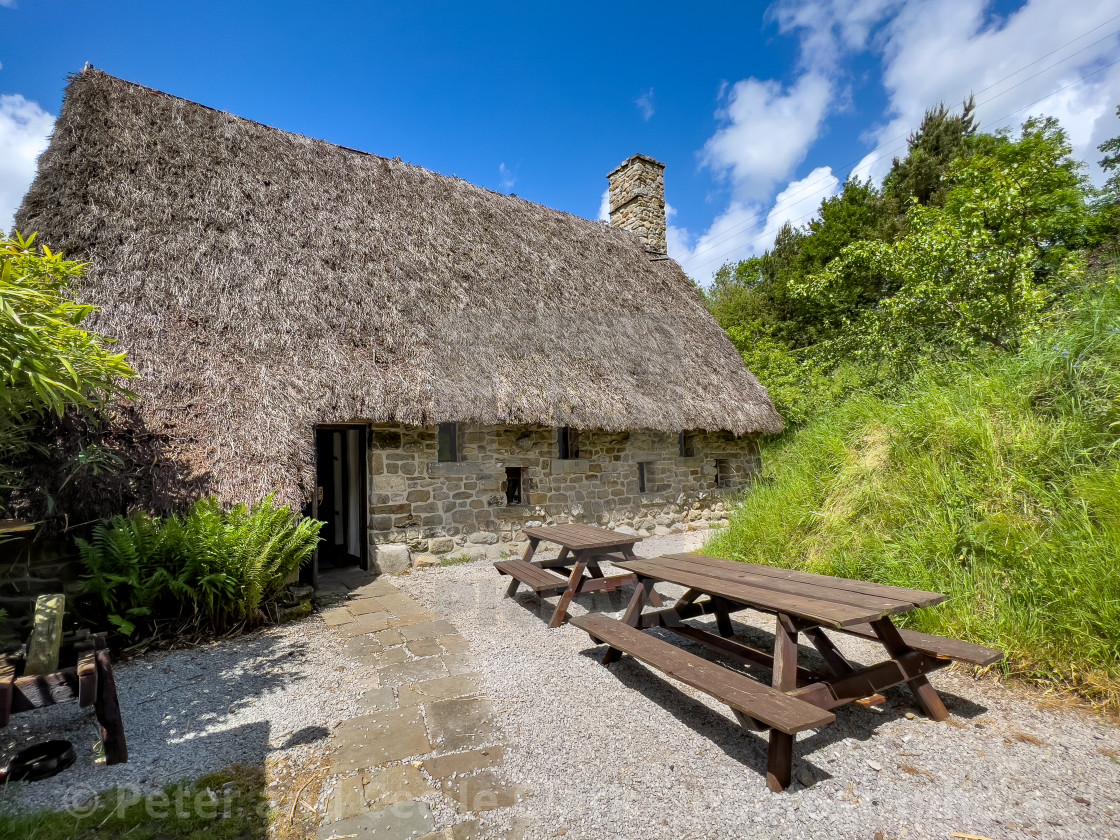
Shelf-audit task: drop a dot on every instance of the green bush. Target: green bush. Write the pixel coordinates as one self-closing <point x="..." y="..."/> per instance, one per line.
<point x="48" y="362"/>
<point x="211" y="569"/>
<point x="996" y="483"/>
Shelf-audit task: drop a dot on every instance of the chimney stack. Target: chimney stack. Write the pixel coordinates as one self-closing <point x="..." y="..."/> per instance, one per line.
<point x="637" y="200"/>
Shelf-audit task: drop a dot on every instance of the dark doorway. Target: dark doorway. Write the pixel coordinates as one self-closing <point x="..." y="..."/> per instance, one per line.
<point x="341" y="478"/>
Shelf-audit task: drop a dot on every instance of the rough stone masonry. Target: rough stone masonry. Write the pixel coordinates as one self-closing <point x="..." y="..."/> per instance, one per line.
<point x="422" y="508"/>
<point x="637" y="200"/>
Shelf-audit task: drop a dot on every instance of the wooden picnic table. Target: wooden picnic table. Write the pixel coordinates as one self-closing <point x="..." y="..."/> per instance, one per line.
<point x="806" y="604"/>
<point x="581" y="548"/>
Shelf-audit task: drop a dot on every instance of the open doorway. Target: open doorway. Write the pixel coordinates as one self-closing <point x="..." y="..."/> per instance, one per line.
<point x="340" y="457"/>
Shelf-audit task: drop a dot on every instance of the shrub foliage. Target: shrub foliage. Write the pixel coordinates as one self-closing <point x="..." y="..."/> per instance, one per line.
<point x="210" y="569"/>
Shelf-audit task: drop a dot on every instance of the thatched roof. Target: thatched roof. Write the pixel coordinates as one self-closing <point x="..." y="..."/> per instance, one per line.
<point x="262" y="282"/>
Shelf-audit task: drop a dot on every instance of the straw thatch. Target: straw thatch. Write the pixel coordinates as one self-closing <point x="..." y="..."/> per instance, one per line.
<point x="262" y="282"/>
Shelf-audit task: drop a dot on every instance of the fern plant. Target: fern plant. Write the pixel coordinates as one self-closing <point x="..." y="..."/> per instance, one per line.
<point x="210" y="568"/>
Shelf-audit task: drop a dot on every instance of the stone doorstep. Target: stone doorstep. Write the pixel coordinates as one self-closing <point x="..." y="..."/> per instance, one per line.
<point x="376" y="588"/>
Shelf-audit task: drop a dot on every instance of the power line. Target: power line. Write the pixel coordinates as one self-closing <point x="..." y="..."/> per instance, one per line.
<point x="726" y="235"/>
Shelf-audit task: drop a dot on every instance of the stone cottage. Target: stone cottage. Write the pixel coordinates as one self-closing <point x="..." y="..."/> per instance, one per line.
<point x="425" y="365"/>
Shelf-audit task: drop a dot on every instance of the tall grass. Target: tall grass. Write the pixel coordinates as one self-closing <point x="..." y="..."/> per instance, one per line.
<point x="996" y="483"/>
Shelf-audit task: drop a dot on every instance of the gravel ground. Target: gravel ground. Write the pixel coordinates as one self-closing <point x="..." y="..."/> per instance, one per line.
<point x="620" y="752"/>
<point x="274" y="694"/>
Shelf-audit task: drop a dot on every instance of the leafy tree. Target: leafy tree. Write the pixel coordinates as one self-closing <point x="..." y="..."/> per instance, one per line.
<point x="1107" y="202"/>
<point x="920" y="177"/>
<point x="984" y="268"/>
<point x="48" y="362"/>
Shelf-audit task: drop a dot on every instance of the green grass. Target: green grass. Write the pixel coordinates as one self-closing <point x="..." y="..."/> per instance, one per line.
<point x="996" y="483"/>
<point x="199" y="810"/>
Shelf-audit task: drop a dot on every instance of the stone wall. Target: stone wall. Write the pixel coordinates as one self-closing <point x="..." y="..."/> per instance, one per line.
<point x="422" y="509"/>
<point x="636" y="192"/>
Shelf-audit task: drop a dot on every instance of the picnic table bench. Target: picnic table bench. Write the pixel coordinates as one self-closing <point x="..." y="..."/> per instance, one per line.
<point x="581" y="549"/>
<point x="799" y="697"/>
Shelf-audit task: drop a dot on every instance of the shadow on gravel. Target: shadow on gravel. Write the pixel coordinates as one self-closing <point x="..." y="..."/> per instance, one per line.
<point x="749" y="748"/>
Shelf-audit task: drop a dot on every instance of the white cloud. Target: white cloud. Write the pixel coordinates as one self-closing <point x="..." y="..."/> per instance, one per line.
<point x="746" y="229"/>
<point x="645" y="104"/>
<point x="8" y="4"/>
<point x="768" y="131"/>
<point x="605" y="206"/>
<point x="506" y="178"/>
<point x="1020" y="65"/>
<point x="830" y="29"/>
<point x="24" y="132"/>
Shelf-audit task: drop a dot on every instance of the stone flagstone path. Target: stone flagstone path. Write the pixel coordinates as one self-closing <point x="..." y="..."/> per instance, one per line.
<point x="425" y="762"/>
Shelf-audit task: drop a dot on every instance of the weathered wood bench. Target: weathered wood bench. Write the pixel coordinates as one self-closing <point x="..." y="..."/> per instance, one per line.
<point x="90" y="682"/>
<point x="755" y="706"/>
<point x="936" y="646"/>
<point x="532" y="576"/>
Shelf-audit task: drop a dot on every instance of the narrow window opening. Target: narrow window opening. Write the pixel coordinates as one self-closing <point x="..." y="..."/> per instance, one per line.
<point x="448" y="442"/>
<point x="567" y="443"/>
<point x="724" y="476"/>
<point x="687" y="444"/>
<point x="645" y="476"/>
<point x="513" y="485"/>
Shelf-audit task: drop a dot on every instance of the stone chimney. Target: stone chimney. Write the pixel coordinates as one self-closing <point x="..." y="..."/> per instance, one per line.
<point x="637" y="200"/>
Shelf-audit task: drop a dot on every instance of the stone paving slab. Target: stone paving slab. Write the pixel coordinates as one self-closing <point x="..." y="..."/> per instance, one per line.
<point x="364" y="606"/>
<point x="481" y="791"/>
<point x="443" y="766"/>
<point x="380" y="699"/>
<point x="413" y="671"/>
<point x="374" y="790"/>
<point x="379" y="738"/>
<point x="337" y="616"/>
<point x="404" y="821"/>
<point x="428" y="630"/>
<point x="431" y="691"/>
<point x="428" y="748"/>
<point x="460" y="724"/>
<point x="424" y="647"/>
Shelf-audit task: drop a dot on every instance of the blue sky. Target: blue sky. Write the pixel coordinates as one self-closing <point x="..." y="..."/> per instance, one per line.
<point x="758" y="109"/>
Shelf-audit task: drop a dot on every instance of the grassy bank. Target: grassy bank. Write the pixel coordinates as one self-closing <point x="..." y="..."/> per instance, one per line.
<point x="997" y="483"/>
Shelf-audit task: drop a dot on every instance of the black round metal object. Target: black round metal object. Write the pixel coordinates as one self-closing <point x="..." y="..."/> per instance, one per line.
<point x="39" y="761"/>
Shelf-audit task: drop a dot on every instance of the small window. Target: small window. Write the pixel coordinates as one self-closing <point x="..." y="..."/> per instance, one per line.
<point x="513" y="485"/>
<point x="567" y="443"/>
<point x="724" y="476"/>
<point x="687" y="444"/>
<point x="645" y="475"/>
<point x="448" y="442"/>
